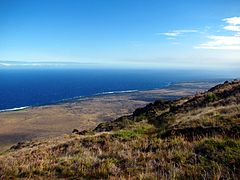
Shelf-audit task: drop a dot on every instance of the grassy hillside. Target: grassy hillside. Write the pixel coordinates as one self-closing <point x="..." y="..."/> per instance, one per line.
<point x="193" y="137"/>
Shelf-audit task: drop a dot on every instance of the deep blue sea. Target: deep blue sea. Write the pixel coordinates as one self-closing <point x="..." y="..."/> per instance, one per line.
<point x="32" y="87"/>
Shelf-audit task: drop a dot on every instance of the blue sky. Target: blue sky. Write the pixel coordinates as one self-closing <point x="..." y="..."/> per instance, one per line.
<point x="120" y="33"/>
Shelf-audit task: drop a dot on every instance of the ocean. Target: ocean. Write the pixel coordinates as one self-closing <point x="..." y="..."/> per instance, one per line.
<point x="21" y="88"/>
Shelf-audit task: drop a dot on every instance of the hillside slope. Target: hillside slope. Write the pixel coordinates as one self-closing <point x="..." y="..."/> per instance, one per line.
<point x="193" y="137"/>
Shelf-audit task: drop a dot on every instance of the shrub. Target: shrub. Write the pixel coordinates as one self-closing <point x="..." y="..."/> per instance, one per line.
<point x="210" y="97"/>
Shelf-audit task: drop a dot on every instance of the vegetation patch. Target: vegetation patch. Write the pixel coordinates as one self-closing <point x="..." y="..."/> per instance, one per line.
<point x="210" y="97"/>
<point x="127" y="134"/>
<point x="225" y="153"/>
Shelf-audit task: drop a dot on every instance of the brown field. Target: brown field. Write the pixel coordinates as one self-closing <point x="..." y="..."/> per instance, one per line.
<point x="84" y="113"/>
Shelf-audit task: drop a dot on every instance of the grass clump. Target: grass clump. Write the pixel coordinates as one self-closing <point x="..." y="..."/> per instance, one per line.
<point x="127" y="134"/>
<point x="210" y="97"/>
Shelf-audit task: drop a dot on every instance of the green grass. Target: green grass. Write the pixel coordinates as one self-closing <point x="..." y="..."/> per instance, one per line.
<point x="127" y="134"/>
<point x="210" y="97"/>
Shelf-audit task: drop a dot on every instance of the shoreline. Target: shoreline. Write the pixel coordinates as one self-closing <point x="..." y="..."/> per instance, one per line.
<point x="15" y="109"/>
<point x="82" y="97"/>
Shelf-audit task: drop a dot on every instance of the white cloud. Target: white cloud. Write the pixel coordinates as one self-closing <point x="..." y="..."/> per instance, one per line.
<point x="41" y="64"/>
<point x="176" y="33"/>
<point x="233" y="20"/>
<point x="233" y="24"/>
<point x="222" y="42"/>
<point x="232" y="28"/>
<point x="188" y="31"/>
<point x="225" y="42"/>
<point x="5" y="64"/>
<point x="171" y="34"/>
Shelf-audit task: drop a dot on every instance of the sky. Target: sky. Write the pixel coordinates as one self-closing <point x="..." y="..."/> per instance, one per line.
<point x="120" y="33"/>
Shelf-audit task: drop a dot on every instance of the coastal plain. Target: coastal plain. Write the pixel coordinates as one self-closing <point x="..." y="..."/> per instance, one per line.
<point x="84" y="113"/>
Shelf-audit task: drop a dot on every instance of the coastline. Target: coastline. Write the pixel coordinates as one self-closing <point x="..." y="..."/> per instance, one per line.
<point x="60" y="118"/>
<point x="15" y="109"/>
<point x="66" y="100"/>
<point x="80" y="97"/>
